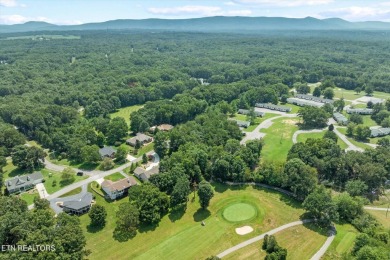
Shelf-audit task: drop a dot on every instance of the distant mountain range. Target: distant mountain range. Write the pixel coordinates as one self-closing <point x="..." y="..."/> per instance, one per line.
<point x="207" y="24"/>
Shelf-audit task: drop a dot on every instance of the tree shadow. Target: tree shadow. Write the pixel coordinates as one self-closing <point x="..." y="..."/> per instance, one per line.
<point x="16" y="172"/>
<point x="219" y="187"/>
<point x="201" y="214"/>
<point x="94" y="229"/>
<point x="313" y="226"/>
<point x="144" y="228"/>
<point x="177" y="213"/>
<point x="123" y="236"/>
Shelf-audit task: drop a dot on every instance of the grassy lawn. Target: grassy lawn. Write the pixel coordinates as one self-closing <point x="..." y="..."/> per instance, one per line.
<point x="294" y="108"/>
<point x="343" y="242"/>
<point x="303" y="237"/>
<point x="367" y="121"/>
<point x="347" y="94"/>
<point x="382" y="216"/>
<point x="303" y="137"/>
<point x="51" y="176"/>
<point x="353" y="141"/>
<point x="29" y="196"/>
<point x="278" y="139"/>
<point x="125" y="113"/>
<point x="72" y="192"/>
<point x="82" y="166"/>
<point x="115" y="177"/>
<point x="178" y="230"/>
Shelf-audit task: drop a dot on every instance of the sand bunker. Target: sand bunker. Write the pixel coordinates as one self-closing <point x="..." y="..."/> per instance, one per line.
<point x="244" y="230"/>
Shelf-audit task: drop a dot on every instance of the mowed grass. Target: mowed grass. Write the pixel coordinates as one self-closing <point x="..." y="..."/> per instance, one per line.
<point x="125" y="112"/>
<point x="72" y="192"/>
<point x="362" y="145"/>
<point x="180" y="235"/>
<point x="278" y="139"/>
<point x="304" y="136"/>
<point x="52" y="176"/>
<point x="239" y="212"/>
<point x="301" y="242"/>
<point x="115" y="177"/>
<point x="343" y="242"/>
<point x="382" y="216"/>
<point x="29" y="196"/>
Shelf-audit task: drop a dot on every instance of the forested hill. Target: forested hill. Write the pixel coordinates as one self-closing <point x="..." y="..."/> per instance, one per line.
<point x="208" y="24"/>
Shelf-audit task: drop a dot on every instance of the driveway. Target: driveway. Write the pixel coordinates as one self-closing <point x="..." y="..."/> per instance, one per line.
<point x="351" y="147"/>
<point x="325" y="246"/>
<point x="41" y="190"/>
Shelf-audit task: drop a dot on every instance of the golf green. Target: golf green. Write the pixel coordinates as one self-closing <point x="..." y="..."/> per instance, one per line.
<point x="239" y="212"/>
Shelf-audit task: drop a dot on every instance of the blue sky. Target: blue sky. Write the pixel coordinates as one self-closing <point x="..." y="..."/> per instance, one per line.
<point x="84" y="11"/>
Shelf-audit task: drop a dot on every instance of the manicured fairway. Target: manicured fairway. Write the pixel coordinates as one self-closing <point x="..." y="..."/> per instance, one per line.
<point x="125" y="113"/>
<point x="180" y="235"/>
<point x="301" y="242"/>
<point x="343" y="242"/>
<point x="239" y="212"/>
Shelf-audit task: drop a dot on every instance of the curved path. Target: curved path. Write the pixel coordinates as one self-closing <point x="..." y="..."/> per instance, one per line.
<point x="351" y="146"/>
<point x="255" y="134"/>
<point x="257" y="238"/>
<point x="374" y="208"/>
<point x="295" y="135"/>
<point x="324" y="247"/>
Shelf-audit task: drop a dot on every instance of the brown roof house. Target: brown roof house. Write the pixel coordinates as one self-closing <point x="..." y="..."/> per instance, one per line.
<point x="119" y="188"/>
<point x="163" y="127"/>
<point x="144" y="174"/>
<point x="142" y="138"/>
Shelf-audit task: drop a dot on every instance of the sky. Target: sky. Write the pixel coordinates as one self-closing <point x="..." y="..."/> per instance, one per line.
<point x="86" y="11"/>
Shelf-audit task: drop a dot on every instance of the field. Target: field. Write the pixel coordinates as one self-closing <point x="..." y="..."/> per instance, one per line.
<point x="343" y="242"/>
<point x="180" y="235"/>
<point x="278" y="139"/>
<point x="306" y="238"/>
<point x="125" y="113"/>
<point x="115" y="177"/>
<point x="303" y="137"/>
<point x="382" y="216"/>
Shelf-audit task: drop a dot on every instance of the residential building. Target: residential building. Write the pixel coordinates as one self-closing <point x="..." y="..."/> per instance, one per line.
<point x="245" y="112"/>
<point x="340" y="118"/>
<point x="162" y="127"/>
<point x="107" y="152"/>
<point x="119" y="188"/>
<point x="273" y="107"/>
<point x="304" y="102"/>
<point x="313" y="98"/>
<point x="142" y="138"/>
<point x="378" y="132"/>
<point x="144" y="174"/>
<point x="244" y="124"/>
<point x="80" y="206"/>
<point x="23" y="183"/>
<point x="360" y="111"/>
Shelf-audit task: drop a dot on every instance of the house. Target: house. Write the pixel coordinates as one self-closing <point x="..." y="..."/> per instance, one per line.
<point x="304" y="102"/>
<point x="107" y="152"/>
<point x="23" y="183"/>
<point x="144" y="174"/>
<point x="162" y="127"/>
<point x="315" y="99"/>
<point x="80" y="206"/>
<point x="119" y="188"/>
<point x="360" y="111"/>
<point x="273" y="107"/>
<point x="244" y="124"/>
<point x="245" y="112"/>
<point x="142" y="138"/>
<point x="378" y="132"/>
<point x="340" y="118"/>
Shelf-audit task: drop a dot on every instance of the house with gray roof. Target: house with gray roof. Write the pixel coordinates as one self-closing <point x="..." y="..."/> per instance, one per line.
<point x="107" y="151"/>
<point x="360" y="111"/>
<point x="340" y="118"/>
<point x="273" y="107"/>
<point x="378" y="132"/>
<point x="23" y="183"/>
<point x="144" y="174"/>
<point x="119" y="188"/>
<point x="80" y="206"/>
<point x="314" y="98"/>
<point x="246" y="111"/>
<point x="244" y="124"/>
<point x="304" y="102"/>
<point x="140" y="137"/>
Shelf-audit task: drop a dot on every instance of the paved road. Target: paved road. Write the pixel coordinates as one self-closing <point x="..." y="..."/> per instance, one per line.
<point x="257" y="238"/>
<point x="255" y="134"/>
<point x="351" y="147"/>
<point x="324" y="247"/>
<point x="374" y="208"/>
<point x="295" y="135"/>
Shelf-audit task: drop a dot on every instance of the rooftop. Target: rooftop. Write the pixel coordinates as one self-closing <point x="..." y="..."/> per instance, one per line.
<point x="85" y="201"/>
<point x="106" y="151"/>
<point x="22" y="181"/>
<point x="119" y="185"/>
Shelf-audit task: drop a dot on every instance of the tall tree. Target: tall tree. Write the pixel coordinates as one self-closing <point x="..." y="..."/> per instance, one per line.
<point x="180" y="192"/>
<point x="205" y="194"/>
<point x="98" y="215"/>
<point x="117" y="129"/>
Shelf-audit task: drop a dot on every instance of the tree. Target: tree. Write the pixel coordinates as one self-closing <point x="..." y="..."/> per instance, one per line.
<point x="3" y="163"/>
<point x="348" y="207"/>
<point x="107" y="164"/>
<point x="331" y="127"/>
<point x="67" y="176"/>
<point x="362" y="132"/>
<point x="385" y="122"/>
<point x="370" y="104"/>
<point x="90" y="154"/>
<point x="313" y="117"/>
<point x="274" y="251"/>
<point x="350" y="129"/>
<point x="331" y="135"/>
<point x="144" y="158"/>
<point x="29" y="158"/>
<point x="41" y="204"/>
<point x="121" y="154"/>
<point x="150" y="202"/>
<point x="317" y="92"/>
<point x="302" y="89"/>
<point x="117" y="129"/>
<point x="127" y="221"/>
<point x="98" y="215"/>
<point x="339" y="104"/>
<point x="180" y="192"/>
<point x="205" y="194"/>
<point x="301" y="178"/>
<point x="356" y="187"/>
<point x="358" y="90"/>
<point x="100" y="139"/>
<point x="251" y="116"/>
<point x="320" y="205"/>
<point x="356" y="118"/>
<point x="328" y="93"/>
<point x="369" y="90"/>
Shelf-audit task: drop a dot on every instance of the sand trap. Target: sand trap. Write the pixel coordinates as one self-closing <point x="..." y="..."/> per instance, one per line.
<point x="244" y="230"/>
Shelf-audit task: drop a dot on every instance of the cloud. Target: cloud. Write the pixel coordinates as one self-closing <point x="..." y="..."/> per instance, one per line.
<point x="10" y="3"/>
<point x="230" y="3"/>
<point x="284" y="3"/>
<point x="359" y="13"/>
